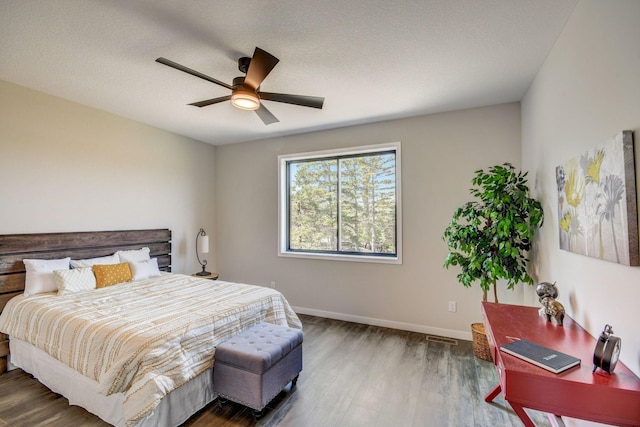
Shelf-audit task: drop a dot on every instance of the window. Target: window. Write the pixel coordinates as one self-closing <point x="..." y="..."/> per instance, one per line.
<point x="341" y="204"/>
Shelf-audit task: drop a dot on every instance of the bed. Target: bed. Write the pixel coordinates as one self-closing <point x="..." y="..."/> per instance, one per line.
<point x="139" y="353"/>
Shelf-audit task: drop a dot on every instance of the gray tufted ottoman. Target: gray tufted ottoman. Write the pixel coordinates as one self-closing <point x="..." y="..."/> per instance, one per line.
<point x="252" y="367"/>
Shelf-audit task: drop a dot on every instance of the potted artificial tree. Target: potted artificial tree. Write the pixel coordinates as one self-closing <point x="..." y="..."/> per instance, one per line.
<point x="489" y="237"/>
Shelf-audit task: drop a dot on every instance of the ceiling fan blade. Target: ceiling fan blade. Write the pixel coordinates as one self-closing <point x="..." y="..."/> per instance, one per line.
<point x="187" y="70"/>
<point x="303" y="100"/>
<point x="211" y="101"/>
<point x="260" y="66"/>
<point x="266" y="116"/>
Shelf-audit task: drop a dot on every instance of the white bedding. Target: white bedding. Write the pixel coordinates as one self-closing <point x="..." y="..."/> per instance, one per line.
<point x="142" y="339"/>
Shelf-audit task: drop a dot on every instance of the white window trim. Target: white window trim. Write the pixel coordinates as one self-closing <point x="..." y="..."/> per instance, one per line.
<point x="282" y="204"/>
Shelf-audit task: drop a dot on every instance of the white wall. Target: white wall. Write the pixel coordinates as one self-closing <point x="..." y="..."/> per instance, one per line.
<point x="67" y="167"/>
<point x="439" y="155"/>
<point x="587" y="91"/>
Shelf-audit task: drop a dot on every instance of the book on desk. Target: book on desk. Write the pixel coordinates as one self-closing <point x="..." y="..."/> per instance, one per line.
<point x="544" y="357"/>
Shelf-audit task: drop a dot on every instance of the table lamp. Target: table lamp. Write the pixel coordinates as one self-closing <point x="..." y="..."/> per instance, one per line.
<point x="202" y="245"/>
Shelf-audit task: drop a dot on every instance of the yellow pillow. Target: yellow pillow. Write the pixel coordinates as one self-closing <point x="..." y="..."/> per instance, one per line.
<point x="111" y="274"/>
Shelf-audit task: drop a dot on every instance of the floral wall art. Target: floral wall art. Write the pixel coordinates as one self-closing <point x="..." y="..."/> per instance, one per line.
<point x="597" y="208"/>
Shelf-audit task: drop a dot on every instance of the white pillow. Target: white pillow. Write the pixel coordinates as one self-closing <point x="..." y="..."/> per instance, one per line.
<point x="144" y="269"/>
<point x="40" y="274"/>
<point x="89" y="262"/>
<point x="74" y="280"/>
<point x="134" y="255"/>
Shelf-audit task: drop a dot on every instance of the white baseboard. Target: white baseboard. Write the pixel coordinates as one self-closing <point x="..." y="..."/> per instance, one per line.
<point x="429" y="330"/>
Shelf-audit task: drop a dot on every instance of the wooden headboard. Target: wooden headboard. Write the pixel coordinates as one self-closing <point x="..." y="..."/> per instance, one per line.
<point x="79" y="245"/>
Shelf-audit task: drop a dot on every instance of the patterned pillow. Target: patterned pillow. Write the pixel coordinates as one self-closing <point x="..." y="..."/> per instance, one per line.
<point x="75" y="280"/>
<point x="111" y="274"/>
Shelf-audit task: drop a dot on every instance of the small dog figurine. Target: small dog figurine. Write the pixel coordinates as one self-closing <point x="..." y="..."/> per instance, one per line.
<point x="552" y="309"/>
<point x="547" y="294"/>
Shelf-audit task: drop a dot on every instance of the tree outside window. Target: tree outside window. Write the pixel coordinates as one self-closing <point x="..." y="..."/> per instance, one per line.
<point x="343" y="204"/>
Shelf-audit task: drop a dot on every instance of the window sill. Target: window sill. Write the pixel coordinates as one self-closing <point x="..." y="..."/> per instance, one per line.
<point x="337" y="257"/>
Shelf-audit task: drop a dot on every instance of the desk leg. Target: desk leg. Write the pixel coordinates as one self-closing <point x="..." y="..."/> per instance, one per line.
<point x="519" y="410"/>
<point x="493" y="393"/>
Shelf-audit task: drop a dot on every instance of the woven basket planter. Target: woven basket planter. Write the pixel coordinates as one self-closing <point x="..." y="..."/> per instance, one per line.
<point x="480" y="342"/>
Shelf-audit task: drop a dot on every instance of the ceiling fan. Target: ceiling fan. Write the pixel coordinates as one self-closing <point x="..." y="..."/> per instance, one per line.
<point x="245" y="90"/>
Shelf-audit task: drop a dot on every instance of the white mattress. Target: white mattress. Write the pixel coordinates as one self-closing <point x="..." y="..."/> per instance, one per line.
<point x="173" y="410"/>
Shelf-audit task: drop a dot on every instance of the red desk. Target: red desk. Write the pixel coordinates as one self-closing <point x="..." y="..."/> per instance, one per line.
<point x="578" y="393"/>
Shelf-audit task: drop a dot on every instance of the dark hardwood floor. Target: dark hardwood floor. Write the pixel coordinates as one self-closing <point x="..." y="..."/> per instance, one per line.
<point x="353" y="375"/>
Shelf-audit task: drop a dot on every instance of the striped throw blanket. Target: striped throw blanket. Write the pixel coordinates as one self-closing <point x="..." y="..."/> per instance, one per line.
<point x="143" y="338"/>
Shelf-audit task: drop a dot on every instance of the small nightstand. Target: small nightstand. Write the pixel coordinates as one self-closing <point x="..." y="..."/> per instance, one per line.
<point x="211" y="276"/>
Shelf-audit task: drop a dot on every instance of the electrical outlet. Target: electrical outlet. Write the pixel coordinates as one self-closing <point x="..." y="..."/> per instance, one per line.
<point x="453" y="307"/>
<point x="273" y="285"/>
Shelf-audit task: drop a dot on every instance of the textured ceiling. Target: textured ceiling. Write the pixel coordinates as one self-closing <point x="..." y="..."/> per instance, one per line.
<point x="371" y="60"/>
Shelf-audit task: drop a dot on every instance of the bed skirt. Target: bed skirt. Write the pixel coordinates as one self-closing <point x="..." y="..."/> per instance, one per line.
<point x="173" y="410"/>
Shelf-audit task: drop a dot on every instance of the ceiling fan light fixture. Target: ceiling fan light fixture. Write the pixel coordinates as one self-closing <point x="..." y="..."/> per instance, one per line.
<point x="245" y="90"/>
<point x="245" y="100"/>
